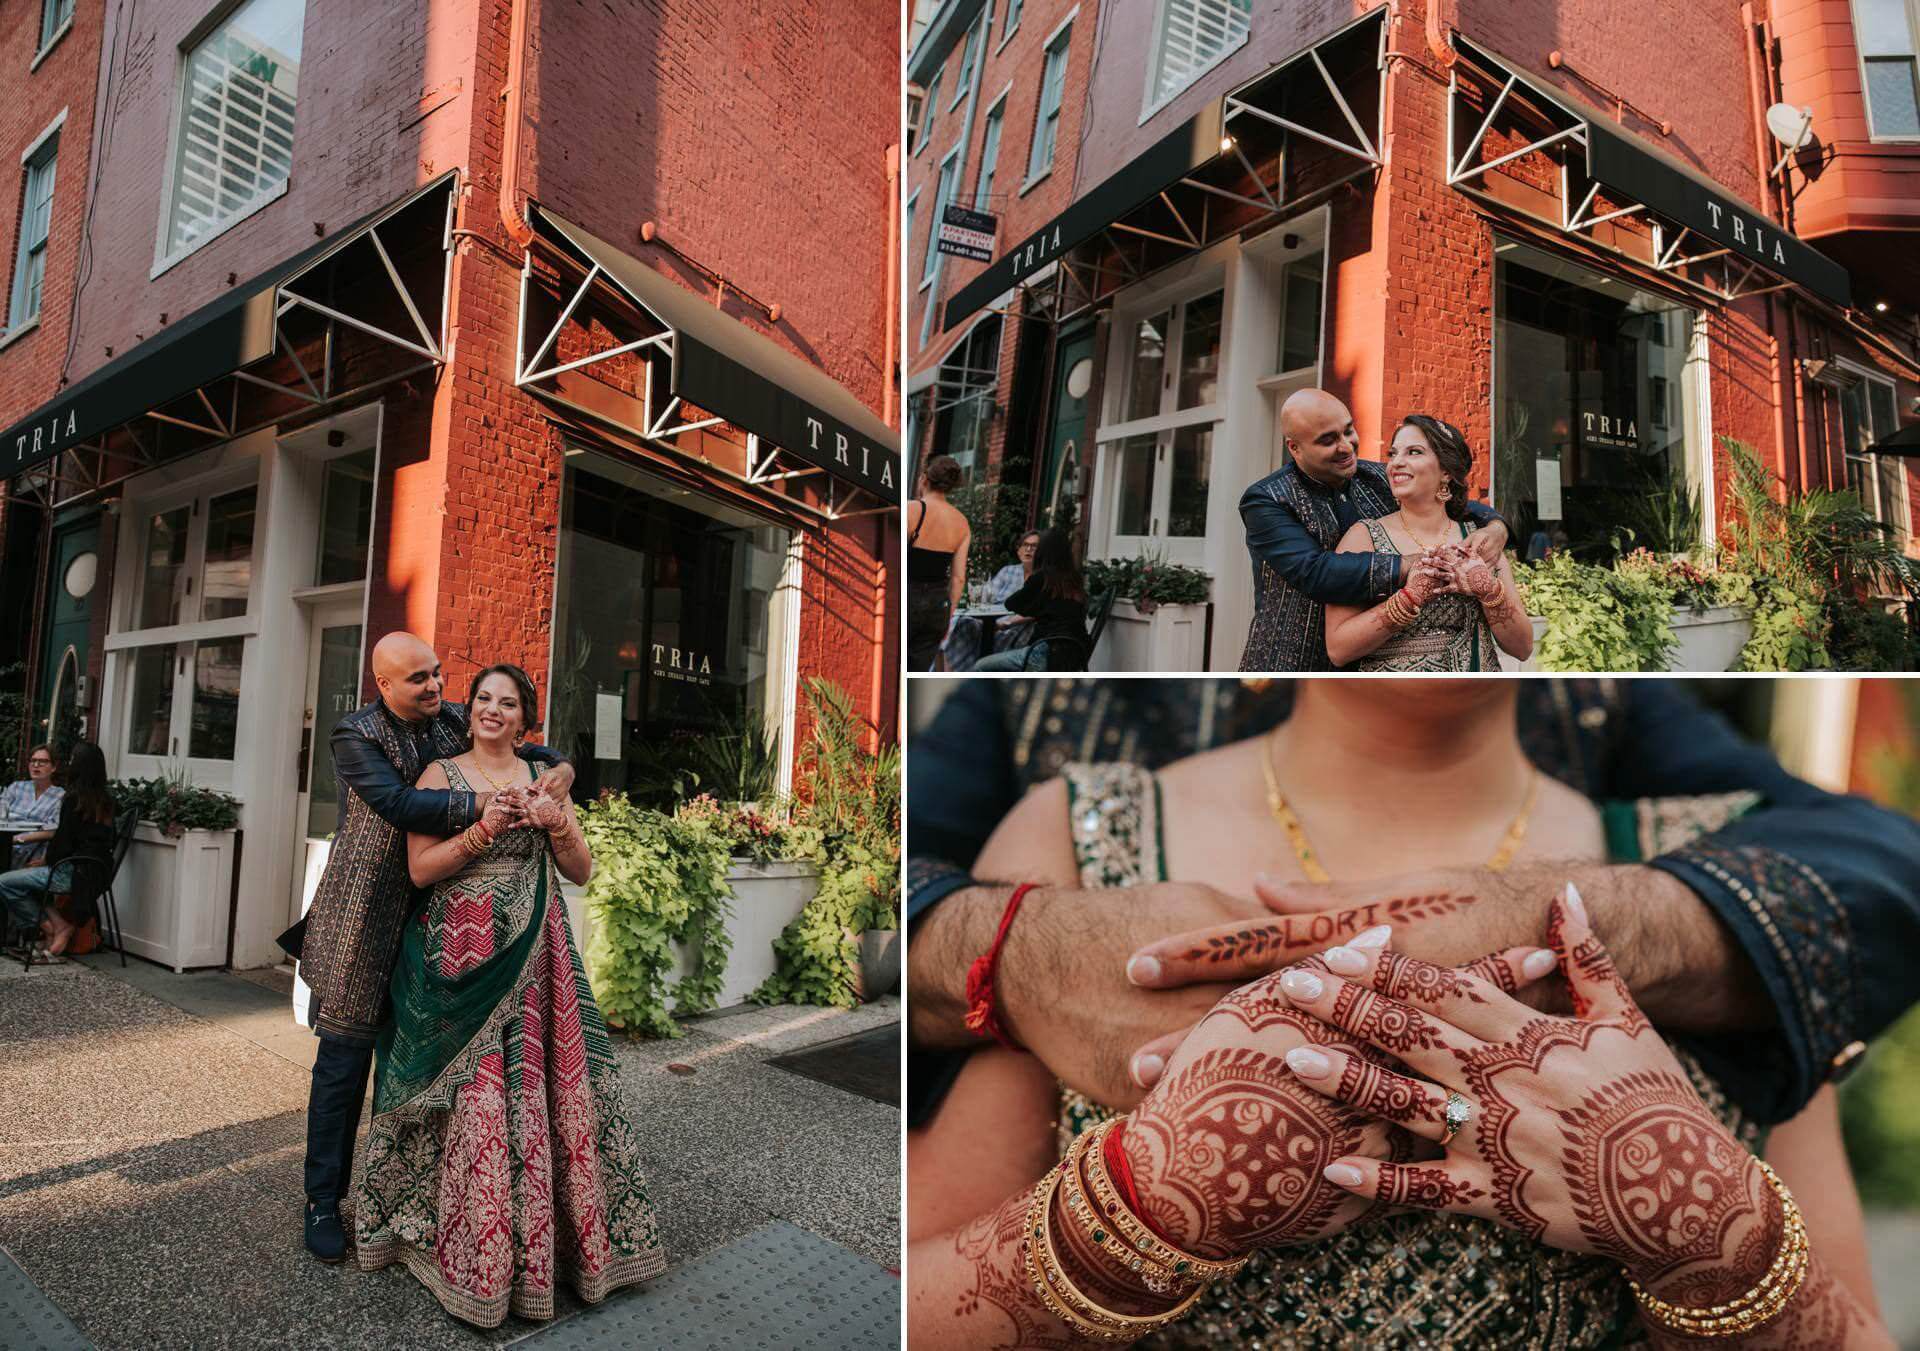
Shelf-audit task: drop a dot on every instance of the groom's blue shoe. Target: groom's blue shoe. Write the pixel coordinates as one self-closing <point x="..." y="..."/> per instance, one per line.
<point x="326" y="1240"/>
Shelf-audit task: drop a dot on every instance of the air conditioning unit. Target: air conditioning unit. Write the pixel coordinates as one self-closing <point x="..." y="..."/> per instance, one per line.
<point x="1826" y="371"/>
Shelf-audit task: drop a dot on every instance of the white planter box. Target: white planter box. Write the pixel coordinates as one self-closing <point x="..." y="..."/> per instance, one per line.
<point x="766" y="898"/>
<point x="174" y="896"/>
<point x="1704" y="642"/>
<point x="1168" y="638"/>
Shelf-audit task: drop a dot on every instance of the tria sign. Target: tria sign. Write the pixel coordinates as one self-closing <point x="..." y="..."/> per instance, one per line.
<point x="682" y="664"/>
<point x="1600" y="429"/>
<point x="34" y="443"/>
<point x="850" y="454"/>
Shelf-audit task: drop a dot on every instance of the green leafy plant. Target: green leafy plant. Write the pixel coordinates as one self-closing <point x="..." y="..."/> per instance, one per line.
<point x="741" y="761"/>
<point x="14" y="714"/>
<point x="659" y="885"/>
<point x="172" y="804"/>
<point x="852" y="800"/>
<point x="1598" y="618"/>
<point x="997" y="515"/>
<point x="1149" y="580"/>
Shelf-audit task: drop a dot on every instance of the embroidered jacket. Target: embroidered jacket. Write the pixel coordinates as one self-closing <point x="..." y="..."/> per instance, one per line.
<point x="1821" y="891"/>
<point x="366" y="893"/>
<point x="1293" y="525"/>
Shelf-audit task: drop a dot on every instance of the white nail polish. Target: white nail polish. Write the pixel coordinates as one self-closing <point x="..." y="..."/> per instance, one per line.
<point x="1575" y="904"/>
<point x="1376" y="937"/>
<point x="1308" y="1063"/>
<point x="1143" y="970"/>
<point x="1302" y="985"/>
<point x="1147" y="1069"/>
<point x="1345" y="960"/>
<point x="1343" y="1175"/>
<point x="1536" y="964"/>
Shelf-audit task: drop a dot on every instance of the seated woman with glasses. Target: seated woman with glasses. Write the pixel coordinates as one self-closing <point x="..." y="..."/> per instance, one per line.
<point x="34" y="798"/>
<point x="85" y="830"/>
<point x="1055" y="598"/>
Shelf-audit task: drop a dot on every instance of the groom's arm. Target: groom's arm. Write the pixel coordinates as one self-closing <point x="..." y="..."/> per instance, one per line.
<point x="1280" y="539"/>
<point x="360" y="764"/>
<point x="1819" y="890"/>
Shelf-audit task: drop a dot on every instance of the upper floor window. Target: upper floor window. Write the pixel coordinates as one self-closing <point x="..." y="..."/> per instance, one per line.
<point x="1013" y="19"/>
<point x="1190" y="37"/>
<point x="36" y="220"/>
<point x="963" y="81"/>
<point x="1888" y="44"/>
<point x="942" y="194"/>
<point x="233" y="148"/>
<point x="928" y="110"/>
<point x="989" y="155"/>
<point x="1046" y="121"/>
<point x="55" y="15"/>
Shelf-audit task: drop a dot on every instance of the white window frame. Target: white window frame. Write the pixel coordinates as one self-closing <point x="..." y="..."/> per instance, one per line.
<point x="1011" y="21"/>
<point x="50" y="40"/>
<point x="1149" y="103"/>
<point x="963" y="76"/>
<point x="37" y="149"/>
<point x="907" y="221"/>
<point x="124" y="642"/>
<point x="1112" y="431"/>
<point x="982" y="186"/>
<point x="1912" y="8"/>
<point x="930" y="264"/>
<point x="1869" y="461"/>
<point x="182" y="54"/>
<point x="1061" y="37"/>
<point x="929" y="111"/>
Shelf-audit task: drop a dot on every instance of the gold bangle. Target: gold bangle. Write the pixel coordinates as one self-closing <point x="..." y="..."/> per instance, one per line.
<point x="1158" y="1277"/>
<point x="1757" y="1306"/>
<point x="1133" y="1232"/>
<point x="1062" y="1297"/>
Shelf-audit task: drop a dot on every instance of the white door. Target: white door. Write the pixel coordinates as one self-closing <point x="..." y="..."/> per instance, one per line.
<point x="333" y="691"/>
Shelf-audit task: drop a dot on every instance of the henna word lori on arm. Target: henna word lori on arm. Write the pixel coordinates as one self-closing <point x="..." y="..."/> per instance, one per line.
<point x="1290" y="933"/>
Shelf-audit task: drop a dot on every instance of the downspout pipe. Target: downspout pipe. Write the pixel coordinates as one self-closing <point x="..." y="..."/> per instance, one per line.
<point x="1777" y="375"/>
<point x="513" y="115"/>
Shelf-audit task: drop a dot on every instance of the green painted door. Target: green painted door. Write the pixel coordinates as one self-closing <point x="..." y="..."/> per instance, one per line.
<point x="1067" y="447"/>
<point x="73" y="583"/>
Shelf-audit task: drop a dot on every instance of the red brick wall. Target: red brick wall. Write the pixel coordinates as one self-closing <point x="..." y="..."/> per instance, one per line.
<point x="30" y="367"/>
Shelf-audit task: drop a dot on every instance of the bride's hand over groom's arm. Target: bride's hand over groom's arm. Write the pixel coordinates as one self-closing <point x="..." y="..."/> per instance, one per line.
<point x="1580" y="1133"/>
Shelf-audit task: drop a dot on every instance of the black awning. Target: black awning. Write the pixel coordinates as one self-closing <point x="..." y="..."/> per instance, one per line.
<point x="1906" y="441"/>
<point x="1202" y="158"/>
<point x="1677" y="192"/>
<point x="220" y="338"/>
<point x="722" y="366"/>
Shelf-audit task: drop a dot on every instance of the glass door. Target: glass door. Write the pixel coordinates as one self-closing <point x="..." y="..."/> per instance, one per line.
<point x="333" y="691"/>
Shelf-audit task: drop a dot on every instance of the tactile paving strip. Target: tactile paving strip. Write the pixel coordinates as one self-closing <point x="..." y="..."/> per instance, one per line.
<point x="780" y="1286"/>
<point x="31" y="1321"/>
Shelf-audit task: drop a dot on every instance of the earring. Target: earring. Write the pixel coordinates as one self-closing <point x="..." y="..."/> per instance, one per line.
<point x="1446" y="491"/>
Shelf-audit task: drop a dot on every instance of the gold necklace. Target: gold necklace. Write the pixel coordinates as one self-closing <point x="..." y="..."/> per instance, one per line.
<point x="1497" y="861"/>
<point x="1407" y="526"/>
<point x="498" y="787"/>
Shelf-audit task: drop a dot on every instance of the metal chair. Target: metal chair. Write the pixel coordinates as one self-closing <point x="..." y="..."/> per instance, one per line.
<point x="90" y="878"/>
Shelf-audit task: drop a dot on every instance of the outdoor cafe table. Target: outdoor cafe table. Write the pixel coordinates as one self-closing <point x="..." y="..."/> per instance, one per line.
<point x="9" y="829"/>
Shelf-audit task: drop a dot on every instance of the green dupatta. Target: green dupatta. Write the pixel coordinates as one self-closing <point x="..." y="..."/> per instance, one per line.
<point x="436" y="1017"/>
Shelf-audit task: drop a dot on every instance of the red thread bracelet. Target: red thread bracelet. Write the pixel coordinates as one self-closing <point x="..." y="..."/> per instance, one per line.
<point x="1121" y="1172"/>
<point x="983" y="1017"/>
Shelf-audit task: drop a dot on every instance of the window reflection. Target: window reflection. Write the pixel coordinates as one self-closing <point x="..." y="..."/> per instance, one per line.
<point x="227" y="574"/>
<point x="216" y="699"/>
<point x="163" y="583"/>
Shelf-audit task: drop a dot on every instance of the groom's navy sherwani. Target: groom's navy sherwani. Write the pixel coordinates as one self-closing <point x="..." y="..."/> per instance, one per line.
<point x="1820" y="890"/>
<point x="1293" y="525"/>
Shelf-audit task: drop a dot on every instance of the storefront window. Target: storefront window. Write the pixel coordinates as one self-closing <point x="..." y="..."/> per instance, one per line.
<point x="216" y="699"/>
<point x="163" y="583"/>
<point x="1147" y="371"/>
<point x="346" y="519"/>
<point x="1200" y="351"/>
<point x="1595" y="411"/>
<point x="1187" y="484"/>
<point x="1300" y="313"/>
<point x="227" y="573"/>
<point x="150" y="719"/>
<point x="1133" y="485"/>
<point x="670" y="634"/>
<point x="1866" y="418"/>
<point x="968" y="379"/>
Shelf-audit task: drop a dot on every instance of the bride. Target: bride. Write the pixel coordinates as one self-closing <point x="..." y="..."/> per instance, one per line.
<point x="501" y="1157"/>
<point x="1207" y="1215"/>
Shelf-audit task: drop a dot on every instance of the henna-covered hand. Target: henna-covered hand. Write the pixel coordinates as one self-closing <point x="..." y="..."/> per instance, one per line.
<point x="1584" y="1133"/>
<point x="1229" y="1150"/>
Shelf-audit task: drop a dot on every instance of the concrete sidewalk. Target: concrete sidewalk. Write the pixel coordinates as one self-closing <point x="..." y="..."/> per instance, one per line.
<point x="151" y="1134"/>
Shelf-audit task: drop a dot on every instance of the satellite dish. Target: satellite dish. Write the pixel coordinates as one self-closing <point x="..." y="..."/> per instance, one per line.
<point x="1790" y="125"/>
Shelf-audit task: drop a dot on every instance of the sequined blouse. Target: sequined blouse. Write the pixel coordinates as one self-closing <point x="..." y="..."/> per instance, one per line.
<point x="1414" y="1280"/>
<point x="1450" y="633"/>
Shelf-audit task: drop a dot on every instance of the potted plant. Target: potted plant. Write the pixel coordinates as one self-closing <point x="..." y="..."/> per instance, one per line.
<point x="175" y="891"/>
<point x="1160" y="614"/>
